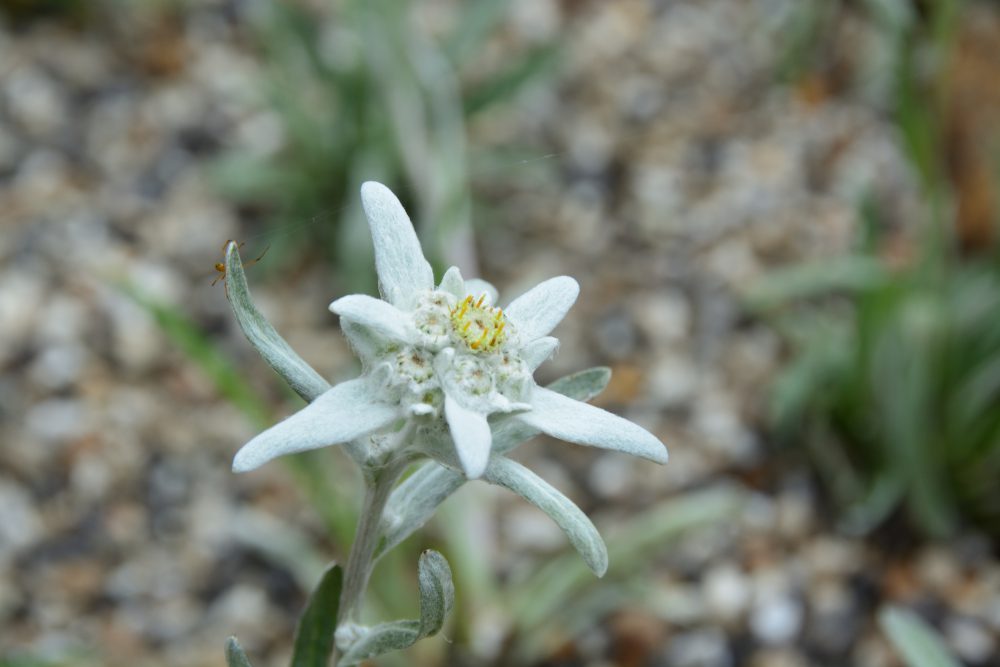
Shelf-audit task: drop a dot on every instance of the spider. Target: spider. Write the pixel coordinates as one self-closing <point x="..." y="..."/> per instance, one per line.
<point x="220" y="267"/>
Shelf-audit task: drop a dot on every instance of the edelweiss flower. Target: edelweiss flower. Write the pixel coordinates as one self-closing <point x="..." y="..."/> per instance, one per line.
<point x="443" y="367"/>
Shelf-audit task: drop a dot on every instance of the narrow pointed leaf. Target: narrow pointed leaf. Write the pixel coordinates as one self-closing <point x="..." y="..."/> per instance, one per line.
<point x="299" y="375"/>
<point x="915" y="641"/>
<point x="343" y="413"/>
<point x="399" y="259"/>
<point x="581" y="386"/>
<point x="413" y="502"/>
<point x="537" y="312"/>
<point x="235" y="657"/>
<point x="578" y="528"/>
<point x="472" y="436"/>
<point x="575" y="421"/>
<point x="452" y="283"/>
<point x="437" y="596"/>
<point x="375" y="314"/>
<point x="475" y="287"/>
<point x="539" y="351"/>
<point x="314" y="636"/>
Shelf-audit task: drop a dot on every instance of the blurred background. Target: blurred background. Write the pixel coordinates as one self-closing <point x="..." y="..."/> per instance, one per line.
<point x="782" y="214"/>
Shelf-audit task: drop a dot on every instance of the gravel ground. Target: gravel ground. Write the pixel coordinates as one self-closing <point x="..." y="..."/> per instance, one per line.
<point x="678" y="172"/>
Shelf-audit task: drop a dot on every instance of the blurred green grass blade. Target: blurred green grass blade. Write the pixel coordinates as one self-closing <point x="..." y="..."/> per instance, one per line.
<point x="630" y="548"/>
<point x="203" y="352"/>
<point x="314" y="635"/>
<point x="235" y="657"/>
<point x="810" y="280"/>
<point x="475" y="22"/>
<point x="915" y="641"/>
<point x="505" y="84"/>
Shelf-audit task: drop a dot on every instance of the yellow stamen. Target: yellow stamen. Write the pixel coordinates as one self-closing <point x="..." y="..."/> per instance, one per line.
<point x="481" y="299"/>
<point x="465" y="306"/>
<point x="497" y="332"/>
<point x="466" y="327"/>
<point x="482" y="339"/>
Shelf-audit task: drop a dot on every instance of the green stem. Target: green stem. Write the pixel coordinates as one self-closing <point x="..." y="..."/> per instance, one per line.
<point x="378" y="486"/>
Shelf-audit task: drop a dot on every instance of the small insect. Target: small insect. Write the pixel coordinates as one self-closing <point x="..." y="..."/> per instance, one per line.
<point x="220" y="267"/>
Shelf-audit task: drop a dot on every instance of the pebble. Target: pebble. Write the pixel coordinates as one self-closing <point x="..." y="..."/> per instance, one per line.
<point x="727" y="592"/>
<point x="971" y="641"/>
<point x="20" y="523"/>
<point x="776" y="620"/>
<point x="57" y="420"/>
<point x="699" y="648"/>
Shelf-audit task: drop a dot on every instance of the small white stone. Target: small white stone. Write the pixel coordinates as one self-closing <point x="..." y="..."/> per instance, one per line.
<point x="20" y="524"/>
<point x="57" y="419"/>
<point x="727" y="592"/>
<point x="970" y="640"/>
<point x="776" y="620"/>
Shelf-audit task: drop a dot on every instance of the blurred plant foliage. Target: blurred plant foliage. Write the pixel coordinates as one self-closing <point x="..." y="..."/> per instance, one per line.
<point x="362" y="91"/>
<point x="895" y="378"/>
<point x="894" y="384"/>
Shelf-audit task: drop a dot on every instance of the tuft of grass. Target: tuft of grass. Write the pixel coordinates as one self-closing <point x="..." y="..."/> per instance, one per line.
<point x="363" y="92"/>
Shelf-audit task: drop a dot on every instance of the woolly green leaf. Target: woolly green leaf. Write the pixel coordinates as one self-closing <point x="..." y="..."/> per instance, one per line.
<point x="314" y="636"/>
<point x="414" y="501"/>
<point x="300" y="376"/>
<point x="235" y="657"/>
<point x="437" y="596"/>
<point x="581" y="386"/>
<point x="578" y="528"/>
<point x="914" y="640"/>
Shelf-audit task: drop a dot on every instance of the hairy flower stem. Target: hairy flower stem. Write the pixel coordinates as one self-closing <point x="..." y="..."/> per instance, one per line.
<point x="378" y="486"/>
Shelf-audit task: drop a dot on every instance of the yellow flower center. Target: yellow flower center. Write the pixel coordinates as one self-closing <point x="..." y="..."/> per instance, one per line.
<point x="481" y="326"/>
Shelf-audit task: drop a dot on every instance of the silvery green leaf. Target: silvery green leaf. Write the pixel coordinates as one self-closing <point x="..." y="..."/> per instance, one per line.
<point x="538" y="351"/>
<point x="581" y="386"/>
<point x="314" y="635"/>
<point x="437" y="595"/>
<point x="452" y="283"/>
<point x="584" y="424"/>
<point x="299" y="375"/>
<point x="476" y="287"/>
<point x="437" y="592"/>
<point x="914" y="640"/>
<point x="399" y="259"/>
<point x="578" y="528"/>
<point x="339" y="415"/>
<point x="375" y="314"/>
<point x="472" y="436"/>
<point x="414" y="501"/>
<point x="235" y="657"/>
<point x="537" y="312"/>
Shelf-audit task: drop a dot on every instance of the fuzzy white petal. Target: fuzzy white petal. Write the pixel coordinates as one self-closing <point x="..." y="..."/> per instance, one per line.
<point x="537" y="312"/>
<point x="476" y="288"/>
<point x="379" y="316"/>
<point x="471" y="434"/>
<point x="399" y="260"/>
<point x="368" y="345"/>
<point x="538" y="351"/>
<point x="584" y="424"/>
<point x="345" y="412"/>
<point x="452" y="283"/>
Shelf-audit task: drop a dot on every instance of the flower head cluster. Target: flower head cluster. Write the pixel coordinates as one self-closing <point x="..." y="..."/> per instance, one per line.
<point x="446" y="361"/>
